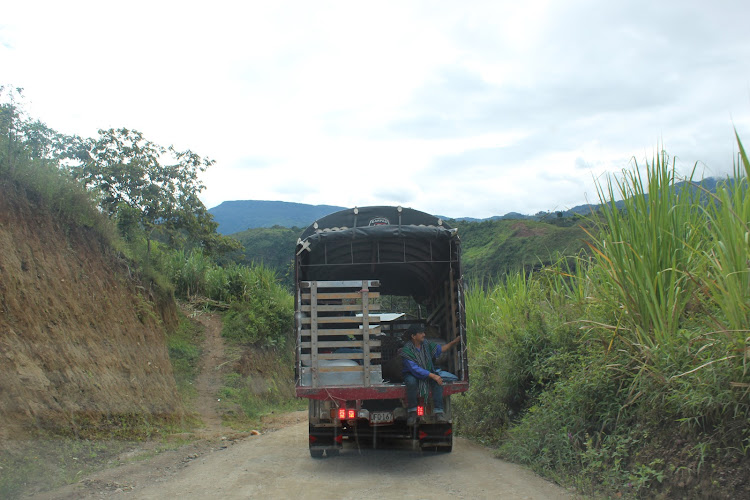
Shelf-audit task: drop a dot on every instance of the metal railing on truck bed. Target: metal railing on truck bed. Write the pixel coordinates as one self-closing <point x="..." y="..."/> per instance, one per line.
<point x="341" y="345"/>
<point x="337" y="337"/>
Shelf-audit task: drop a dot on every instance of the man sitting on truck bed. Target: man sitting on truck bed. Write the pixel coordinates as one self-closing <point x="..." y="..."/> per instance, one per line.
<point x="420" y="373"/>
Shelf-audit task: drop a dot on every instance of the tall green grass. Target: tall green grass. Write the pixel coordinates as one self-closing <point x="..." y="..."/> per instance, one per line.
<point x="727" y="259"/>
<point x="646" y="253"/>
<point x="518" y="348"/>
<point x="590" y="368"/>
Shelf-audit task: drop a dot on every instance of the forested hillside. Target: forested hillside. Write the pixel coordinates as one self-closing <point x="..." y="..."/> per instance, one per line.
<point x="494" y="248"/>
<point x="272" y="247"/>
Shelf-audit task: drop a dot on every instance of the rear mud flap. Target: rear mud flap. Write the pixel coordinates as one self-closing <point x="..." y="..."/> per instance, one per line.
<point x="325" y="438"/>
<point x="435" y="435"/>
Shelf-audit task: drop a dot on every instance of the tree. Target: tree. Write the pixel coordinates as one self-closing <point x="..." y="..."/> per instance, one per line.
<point x="24" y="139"/>
<point x="11" y="117"/>
<point x="161" y="184"/>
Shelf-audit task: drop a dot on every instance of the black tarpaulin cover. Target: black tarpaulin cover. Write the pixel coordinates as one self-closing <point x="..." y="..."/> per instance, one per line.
<point x="409" y="251"/>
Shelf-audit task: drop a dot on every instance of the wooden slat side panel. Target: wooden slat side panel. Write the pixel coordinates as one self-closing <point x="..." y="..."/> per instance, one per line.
<point x="333" y="369"/>
<point x="322" y="344"/>
<point x="339" y="284"/>
<point x="336" y="320"/>
<point x="314" y="334"/>
<point x="339" y="355"/>
<point x="339" y="308"/>
<point x="339" y="295"/>
<point x="329" y="310"/>
<point x="342" y="331"/>
<point x="366" y="355"/>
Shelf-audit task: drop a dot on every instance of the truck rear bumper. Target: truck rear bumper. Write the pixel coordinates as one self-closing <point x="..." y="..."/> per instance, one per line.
<point x="375" y="392"/>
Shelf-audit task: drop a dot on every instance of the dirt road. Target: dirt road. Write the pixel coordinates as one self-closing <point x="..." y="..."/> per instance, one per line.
<point x="277" y="465"/>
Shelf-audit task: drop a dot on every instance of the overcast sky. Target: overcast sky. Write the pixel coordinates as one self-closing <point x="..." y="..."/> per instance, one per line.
<point x="474" y="108"/>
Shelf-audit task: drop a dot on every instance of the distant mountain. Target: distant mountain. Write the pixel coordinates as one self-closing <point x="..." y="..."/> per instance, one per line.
<point x="236" y="216"/>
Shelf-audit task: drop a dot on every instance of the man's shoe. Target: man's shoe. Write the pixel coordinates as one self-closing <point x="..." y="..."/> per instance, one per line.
<point x="411" y="421"/>
<point x="440" y="418"/>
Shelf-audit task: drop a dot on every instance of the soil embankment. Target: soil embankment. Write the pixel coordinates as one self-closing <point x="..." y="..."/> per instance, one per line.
<point x="81" y="343"/>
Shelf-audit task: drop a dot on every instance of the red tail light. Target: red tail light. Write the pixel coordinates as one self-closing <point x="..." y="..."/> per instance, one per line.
<point x="449" y="432"/>
<point x="420" y="411"/>
<point x="339" y="439"/>
<point x="422" y="434"/>
<point x="313" y="439"/>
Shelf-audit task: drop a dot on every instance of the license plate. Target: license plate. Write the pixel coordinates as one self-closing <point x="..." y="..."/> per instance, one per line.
<point x="381" y="417"/>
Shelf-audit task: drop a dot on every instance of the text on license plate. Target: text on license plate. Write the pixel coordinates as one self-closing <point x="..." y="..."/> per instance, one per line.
<point x="381" y="417"/>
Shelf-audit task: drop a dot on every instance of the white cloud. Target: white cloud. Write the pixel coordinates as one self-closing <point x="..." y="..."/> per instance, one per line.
<point x="456" y="110"/>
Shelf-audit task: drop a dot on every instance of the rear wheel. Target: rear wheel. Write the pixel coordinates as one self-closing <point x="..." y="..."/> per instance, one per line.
<point x="316" y="453"/>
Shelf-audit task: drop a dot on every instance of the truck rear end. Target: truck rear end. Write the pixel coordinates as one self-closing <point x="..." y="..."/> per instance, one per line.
<point x="363" y="277"/>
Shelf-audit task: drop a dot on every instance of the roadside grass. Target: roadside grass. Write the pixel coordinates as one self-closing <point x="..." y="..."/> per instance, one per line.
<point x="184" y="347"/>
<point x="261" y="383"/>
<point x="36" y="465"/>
<point x="258" y="317"/>
<point x="626" y="374"/>
<point x="44" y="462"/>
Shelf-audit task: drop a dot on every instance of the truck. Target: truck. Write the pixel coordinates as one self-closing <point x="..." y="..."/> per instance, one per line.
<point x="363" y="276"/>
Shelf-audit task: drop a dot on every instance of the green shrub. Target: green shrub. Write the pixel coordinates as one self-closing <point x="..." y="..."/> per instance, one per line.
<point x="518" y="348"/>
<point x="265" y="319"/>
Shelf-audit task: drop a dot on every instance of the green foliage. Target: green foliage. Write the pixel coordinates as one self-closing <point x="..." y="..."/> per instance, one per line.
<point x="647" y="254"/>
<point x="588" y="368"/>
<point x="519" y="348"/>
<point x="258" y="397"/>
<point x="273" y="248"/>
<point x="727" y="260"/>
<point x="133" y="176"/>
<point x="265" y="317"/>
<point x="494" y="248"/>
<point x="29" y="161"/>
<point x="261" y="311"/>
<point x="576" y="413"/>
<point x="183" y="345"/>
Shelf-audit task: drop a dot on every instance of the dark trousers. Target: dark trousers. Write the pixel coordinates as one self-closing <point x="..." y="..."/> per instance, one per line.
<point x="412" y="387"/>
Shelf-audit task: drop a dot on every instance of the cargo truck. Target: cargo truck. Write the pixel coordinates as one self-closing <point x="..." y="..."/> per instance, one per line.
<point x="363" y="277"/>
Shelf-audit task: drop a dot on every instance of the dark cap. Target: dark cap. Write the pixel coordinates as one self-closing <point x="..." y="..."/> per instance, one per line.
<point x="414" y="329"/>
